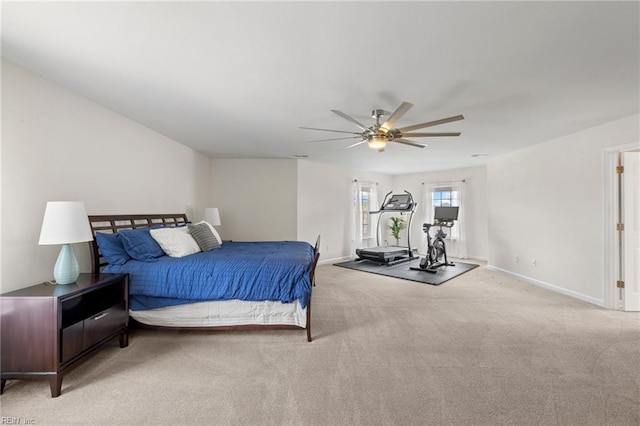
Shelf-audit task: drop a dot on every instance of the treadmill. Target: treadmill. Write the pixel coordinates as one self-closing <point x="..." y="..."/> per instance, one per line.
<point x="391" y="255"/>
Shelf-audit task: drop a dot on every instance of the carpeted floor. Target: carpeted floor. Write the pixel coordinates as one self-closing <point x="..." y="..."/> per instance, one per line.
<point x="484" y="349"/>
<point x="404" y="271"/>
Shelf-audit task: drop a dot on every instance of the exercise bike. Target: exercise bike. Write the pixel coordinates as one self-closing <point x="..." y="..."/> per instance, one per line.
<point x="436" y="255"/>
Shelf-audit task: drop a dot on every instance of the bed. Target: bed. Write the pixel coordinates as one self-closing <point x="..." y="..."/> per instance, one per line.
<point x="239" y="285"/>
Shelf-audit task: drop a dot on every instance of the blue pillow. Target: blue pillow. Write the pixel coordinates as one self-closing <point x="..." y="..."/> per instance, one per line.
<point x="111" y="248"/>
<point x="140" y="245"/>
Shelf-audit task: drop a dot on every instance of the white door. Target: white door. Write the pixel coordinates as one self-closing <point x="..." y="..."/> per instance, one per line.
<point x="631" y="220"/>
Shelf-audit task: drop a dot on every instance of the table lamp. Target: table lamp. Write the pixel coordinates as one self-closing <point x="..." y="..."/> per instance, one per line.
<point x="212" y="215"/>
<point x="65" y="222"/>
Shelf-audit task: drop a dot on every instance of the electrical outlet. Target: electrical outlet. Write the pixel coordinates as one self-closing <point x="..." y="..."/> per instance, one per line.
<point x="517" y="259"/>
<point x="534" y="262"/>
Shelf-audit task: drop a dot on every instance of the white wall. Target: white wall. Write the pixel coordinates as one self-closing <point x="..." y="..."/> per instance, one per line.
<point x="475" y="199"/>
<point x="257" y="198"/>
<point x="271" y="199"/>
<point x="57" y="145"/>
<point x="546" y="203"/>
<point x="324" y="206"/>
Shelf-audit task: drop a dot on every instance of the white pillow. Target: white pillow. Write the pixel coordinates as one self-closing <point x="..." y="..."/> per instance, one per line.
<point x="213" y="230"/>
<point x="175" y="242"/>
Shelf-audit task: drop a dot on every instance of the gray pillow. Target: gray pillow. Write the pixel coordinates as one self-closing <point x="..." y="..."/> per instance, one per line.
<point x="203" y="236"/>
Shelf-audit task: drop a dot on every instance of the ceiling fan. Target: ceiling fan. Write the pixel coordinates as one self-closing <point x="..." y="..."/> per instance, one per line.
<point x="378" y="135"/>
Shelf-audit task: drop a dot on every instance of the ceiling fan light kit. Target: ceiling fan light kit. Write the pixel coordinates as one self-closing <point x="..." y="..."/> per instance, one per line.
<point x="376" y="142"/>
<point x="378" y="135"/>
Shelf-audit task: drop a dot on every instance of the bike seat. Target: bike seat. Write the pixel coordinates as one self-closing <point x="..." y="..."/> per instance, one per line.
<point x="426" y="227"/>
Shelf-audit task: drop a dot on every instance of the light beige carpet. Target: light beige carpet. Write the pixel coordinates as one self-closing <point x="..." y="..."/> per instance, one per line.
<point x="482" y="349"/>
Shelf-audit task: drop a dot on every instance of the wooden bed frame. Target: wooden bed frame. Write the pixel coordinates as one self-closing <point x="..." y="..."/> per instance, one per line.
<point x="115" y="223"/>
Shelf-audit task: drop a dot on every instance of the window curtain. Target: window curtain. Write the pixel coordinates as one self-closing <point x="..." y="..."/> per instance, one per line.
<point x="358" y="239"/>
<point x="373" y="206"/>
<point x="456" y="240"/>
<point x="458" y="243"/>
<point x="427" y="201"/>
<point x="356" y="216"/>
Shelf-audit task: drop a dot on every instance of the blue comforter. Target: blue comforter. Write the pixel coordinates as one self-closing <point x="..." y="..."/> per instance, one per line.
<point x="254" y="271"/>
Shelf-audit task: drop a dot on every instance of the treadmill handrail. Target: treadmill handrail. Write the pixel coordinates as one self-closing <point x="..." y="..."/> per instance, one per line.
<point x="380" y="217"/>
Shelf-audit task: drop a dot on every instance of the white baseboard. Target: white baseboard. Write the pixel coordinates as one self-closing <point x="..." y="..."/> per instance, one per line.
<point x="334" y="260"/>
<point x="482" y="261"/>
<point x="570" y="293"/>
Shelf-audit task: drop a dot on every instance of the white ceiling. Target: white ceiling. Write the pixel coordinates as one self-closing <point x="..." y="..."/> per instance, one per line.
<point x="237" y="79"/>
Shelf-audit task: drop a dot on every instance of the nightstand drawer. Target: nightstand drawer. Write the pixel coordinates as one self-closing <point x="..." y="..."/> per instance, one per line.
<point x="104" y="324"/>
<point x="82" y="335"/>
<point x="72" y="341"/>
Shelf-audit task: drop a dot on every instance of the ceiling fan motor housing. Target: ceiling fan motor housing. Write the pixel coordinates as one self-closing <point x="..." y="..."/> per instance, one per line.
<point x="377" y="113"/>
<point x="393" y="134"/>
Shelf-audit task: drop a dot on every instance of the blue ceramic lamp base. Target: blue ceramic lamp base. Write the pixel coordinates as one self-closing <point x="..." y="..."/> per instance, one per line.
<point x="66" y="269"/>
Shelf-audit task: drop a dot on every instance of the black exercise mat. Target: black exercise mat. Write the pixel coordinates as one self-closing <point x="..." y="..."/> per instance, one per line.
<point x="443" y="273"/>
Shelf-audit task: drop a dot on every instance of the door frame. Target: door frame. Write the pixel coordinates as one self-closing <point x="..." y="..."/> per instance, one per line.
<point x="612" y="254"/>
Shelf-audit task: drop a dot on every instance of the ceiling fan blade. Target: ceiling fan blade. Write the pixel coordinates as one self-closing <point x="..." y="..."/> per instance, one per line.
<point x="329" y="130"/>
<point x="397" y="115"/>
<point x="432" y="123"/>
<point x="353" y="120"/>
<point x="333" y="139"/>
<point x="408" y="142"/>
<point x="354" y="144"/>
<point x="424" y="135"/>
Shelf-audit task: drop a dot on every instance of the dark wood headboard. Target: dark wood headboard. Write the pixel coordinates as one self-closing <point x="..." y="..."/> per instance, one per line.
<point x="118" y="222"/>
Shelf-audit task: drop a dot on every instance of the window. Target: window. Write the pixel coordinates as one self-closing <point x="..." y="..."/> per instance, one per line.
<point x="447" y="197"/>
<point x="366" y="198"/>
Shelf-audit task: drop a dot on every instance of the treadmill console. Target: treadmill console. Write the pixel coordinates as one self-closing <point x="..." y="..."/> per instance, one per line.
<point x="399" y="202"/>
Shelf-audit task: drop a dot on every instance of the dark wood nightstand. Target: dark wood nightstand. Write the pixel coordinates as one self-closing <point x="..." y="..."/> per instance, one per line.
<point x="47" y="329"/>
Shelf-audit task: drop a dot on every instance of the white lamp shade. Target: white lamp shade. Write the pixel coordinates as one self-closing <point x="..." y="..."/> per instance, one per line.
<point x="212" y="215"/>
<point x="65" y="222"/>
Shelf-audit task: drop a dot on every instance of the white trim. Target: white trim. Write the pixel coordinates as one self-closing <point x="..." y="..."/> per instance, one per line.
<point x="478" y="258"/>
<point x="548" y="286"/>
<point x="611" y="253"/>
<point x="335" y="260"/>
<point x="626" y="147"/>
